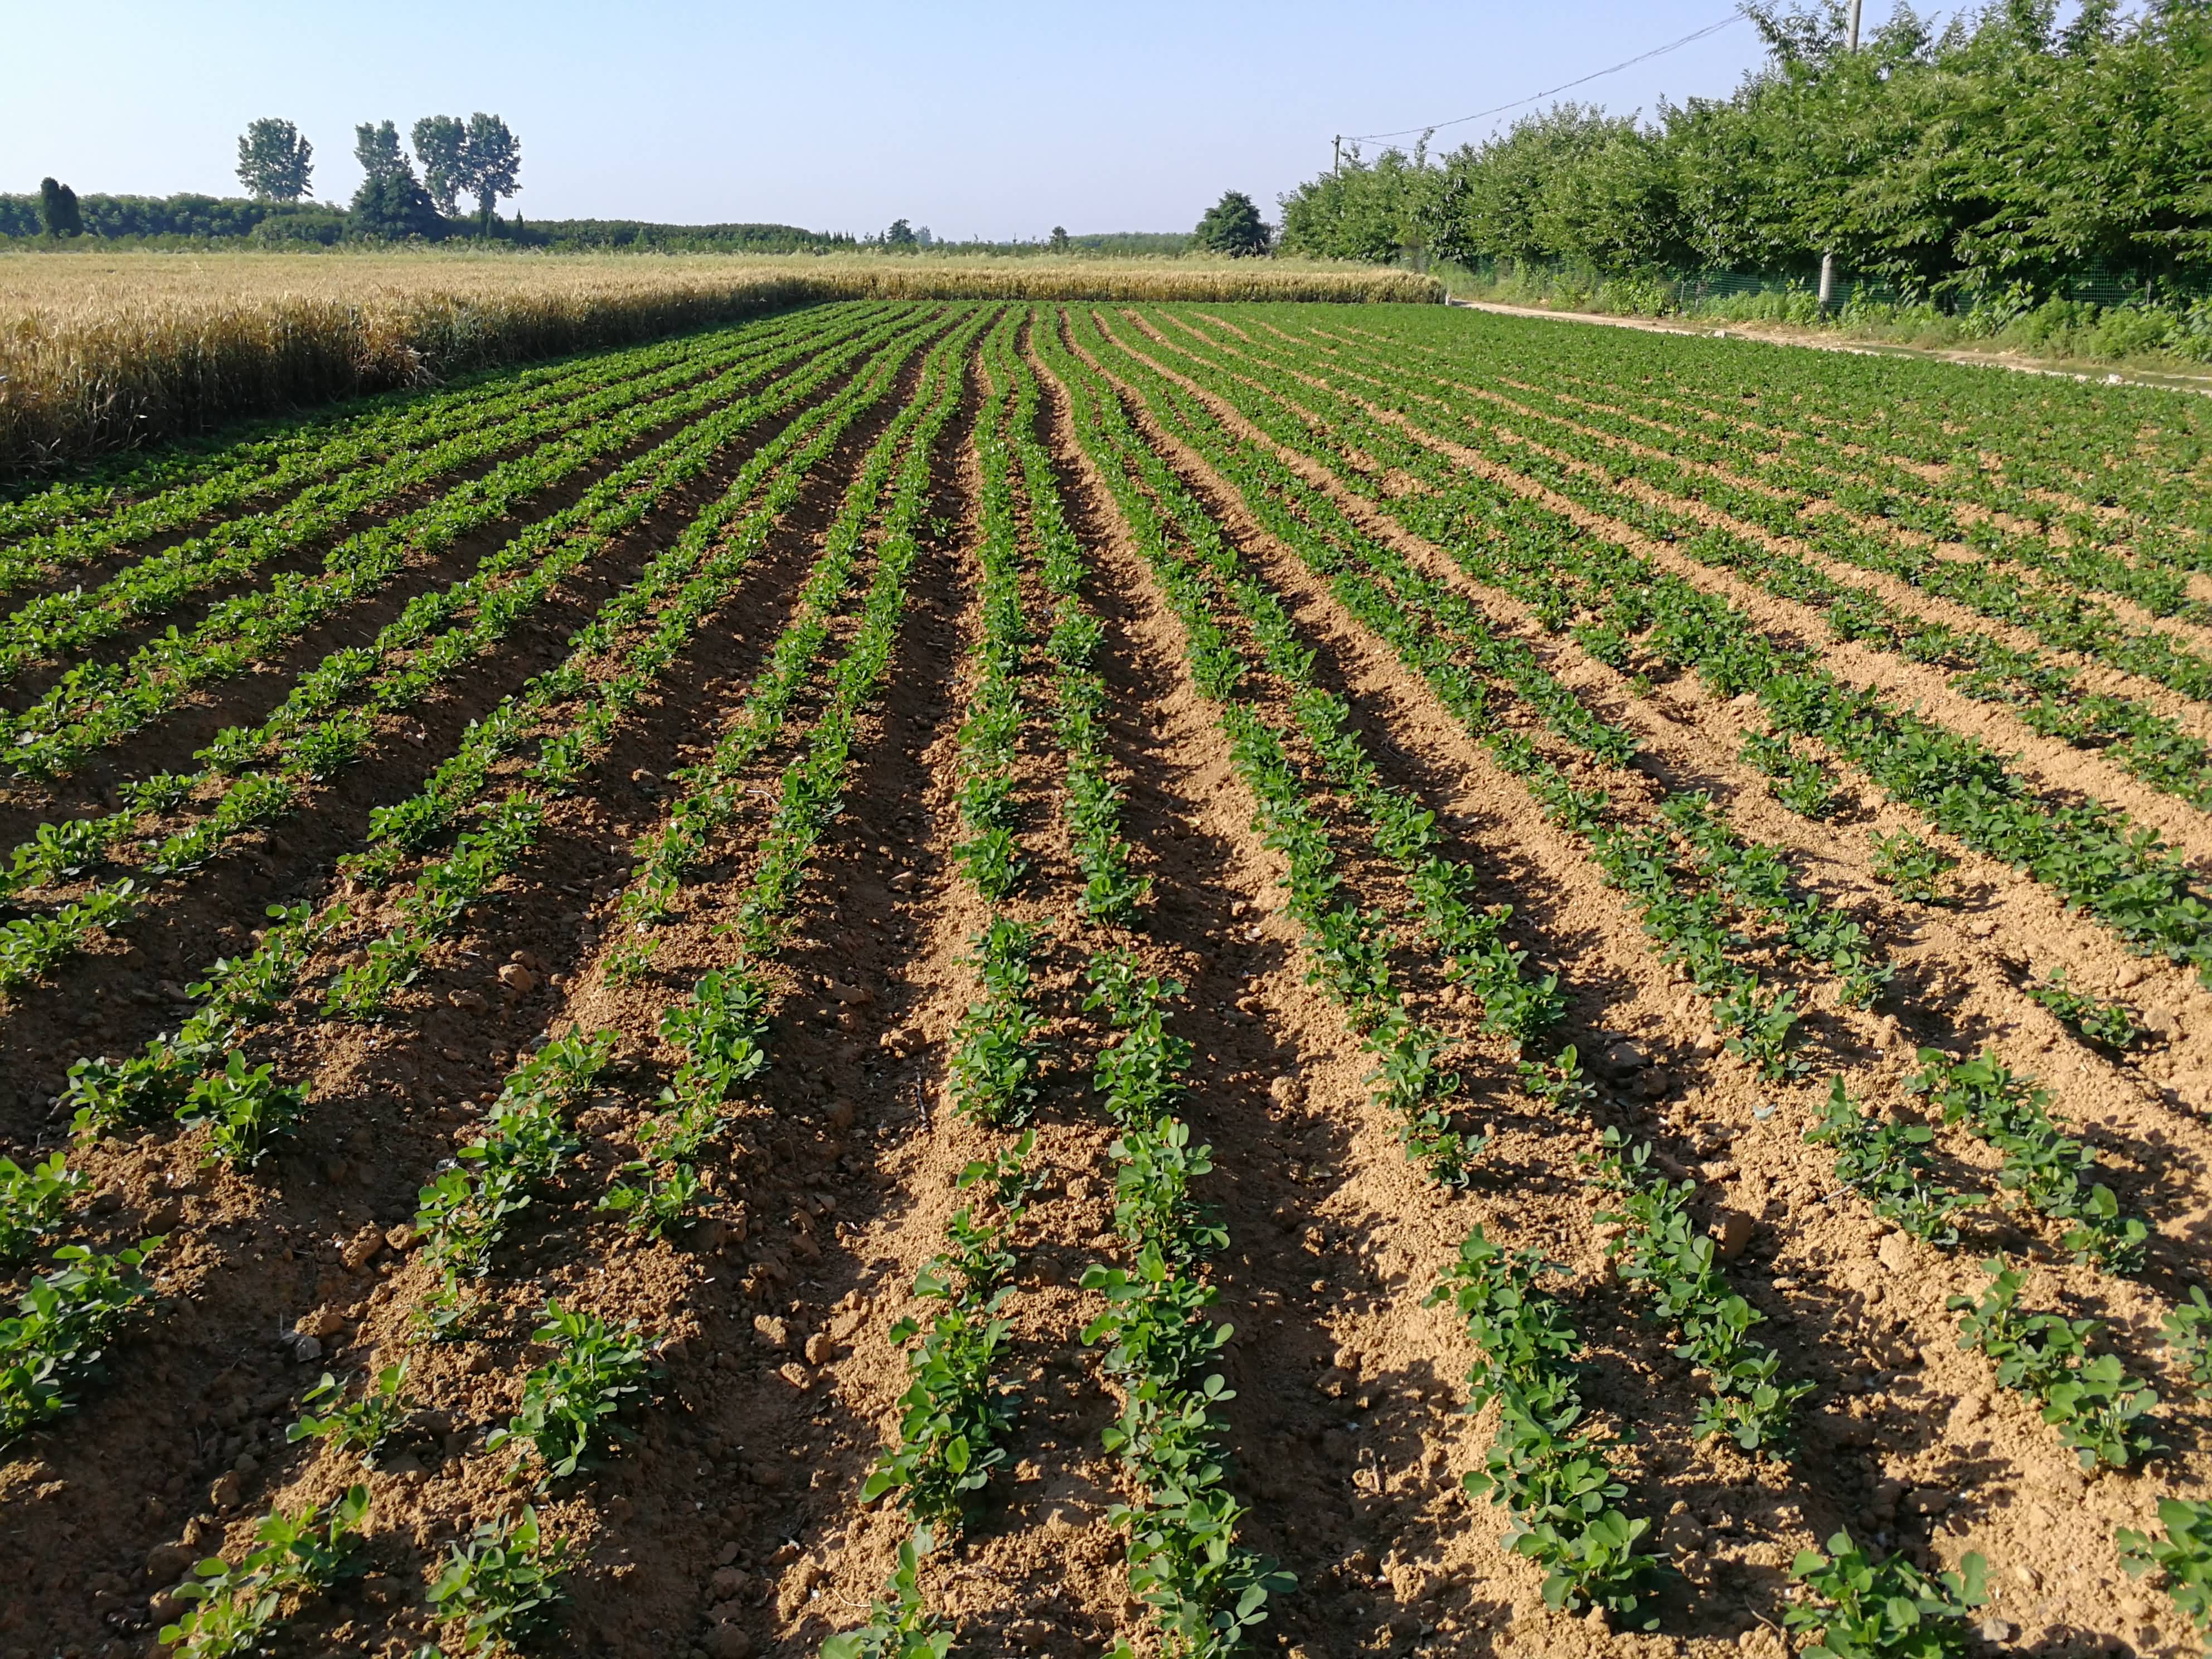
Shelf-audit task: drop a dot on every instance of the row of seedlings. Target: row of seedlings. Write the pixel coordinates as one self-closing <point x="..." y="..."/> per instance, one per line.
<point x="2047" y="697"/>
<point x="252" y="777"/>
<point x="201" y="1075"/>
<point x="96" y="705"/>
<point x="60" y="625"/>
<point x="1208" y="1592"/>
<point x="502" y="1582"/>
<point x="2091" y="855"/>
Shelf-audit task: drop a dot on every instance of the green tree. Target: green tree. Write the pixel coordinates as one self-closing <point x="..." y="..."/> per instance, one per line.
<point x="441" y="145"/>
<point x="1999" y="159"/>
<point x="275" y="163"/>
<point x="492" y="163"/>
<point x="1060" y="244"/>
<point x="1361" y="209"/>
<point x="1232" y="226"/>
<point x="394" y="206"/>
<point x="58" y="207"/>
<point x="901" y="235"/>
<point x="391" y="203"/>
<point x="376" y="146"/>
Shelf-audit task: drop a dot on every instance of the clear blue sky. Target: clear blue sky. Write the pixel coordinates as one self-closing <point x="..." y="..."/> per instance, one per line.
<point x="993" y="119"/>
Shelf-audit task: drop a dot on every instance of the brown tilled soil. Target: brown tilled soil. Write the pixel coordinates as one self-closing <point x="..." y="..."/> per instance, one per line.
<point x="730" y="1523"/>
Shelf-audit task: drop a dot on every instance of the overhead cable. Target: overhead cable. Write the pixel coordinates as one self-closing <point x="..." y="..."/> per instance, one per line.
<point x="1597" y="75"/>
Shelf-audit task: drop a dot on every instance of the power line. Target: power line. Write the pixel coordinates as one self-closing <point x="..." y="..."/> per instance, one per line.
<point x="1641" y="58"/>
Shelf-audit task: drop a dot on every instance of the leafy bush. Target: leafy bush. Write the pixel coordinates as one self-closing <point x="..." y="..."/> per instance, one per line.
<point x="61" y="1324"/>
<point x="33" y="1201"/>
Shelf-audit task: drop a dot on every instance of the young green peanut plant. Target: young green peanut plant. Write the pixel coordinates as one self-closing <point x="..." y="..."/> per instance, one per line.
<point x="992" y="1072"/>
<point x="713" y="789"/>
<point x="360" y="1425"/>
<point x="1688" y="928"/>
<point x="1803" y="785"/>
<point x="956" y="1412"/>
<point x="2109" y="1025"/>
<point x="2183" y="1558"/>
<point x="1889" y="1609"/>
<point x="1660" y="1249"/>
<point x="811" y="786"/>
<point x="1555" y="1478"/>
<point x="503" y="1585"/>
<point x="34" y="1202"/>
<point x="2187" y="1334"/>
<point x="365" y="471"/>
<point x="2045" y="1166"/>
<point x="96" y="705"/>
<point x="59" y="624"/>
<point x="1887" y="1163"/>
<point x="1758" y="882"/>
<point x="990" y="735"/>
<point x="1138" y="1074"/>
<point x="722" y="1030"/>
<point x="900" y="1624"/>
<point x="570" y="1403"/>
<point x="234" y="1606"/>
<point x="1911" y="867"/>
<point x="62" y="1325"/>
<point x="108" y="1095"/>
<point x="2099" y="1410"/>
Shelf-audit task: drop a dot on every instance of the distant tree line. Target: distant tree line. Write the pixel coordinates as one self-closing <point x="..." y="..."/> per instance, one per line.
<point x="479" y="157"/>
<point x="198" y="218"/>
<point x="2003" y="154"/>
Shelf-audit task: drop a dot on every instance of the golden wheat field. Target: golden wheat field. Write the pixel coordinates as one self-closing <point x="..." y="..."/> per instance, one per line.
<point x="101" y="352"/>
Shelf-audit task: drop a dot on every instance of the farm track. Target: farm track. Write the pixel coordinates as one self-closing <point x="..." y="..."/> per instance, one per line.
<point x="731" y="1520"/>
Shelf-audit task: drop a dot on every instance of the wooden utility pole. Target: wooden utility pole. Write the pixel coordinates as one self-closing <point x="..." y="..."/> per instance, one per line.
<point x="1336" y="154"/>
<point x="1828" y="260"/>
